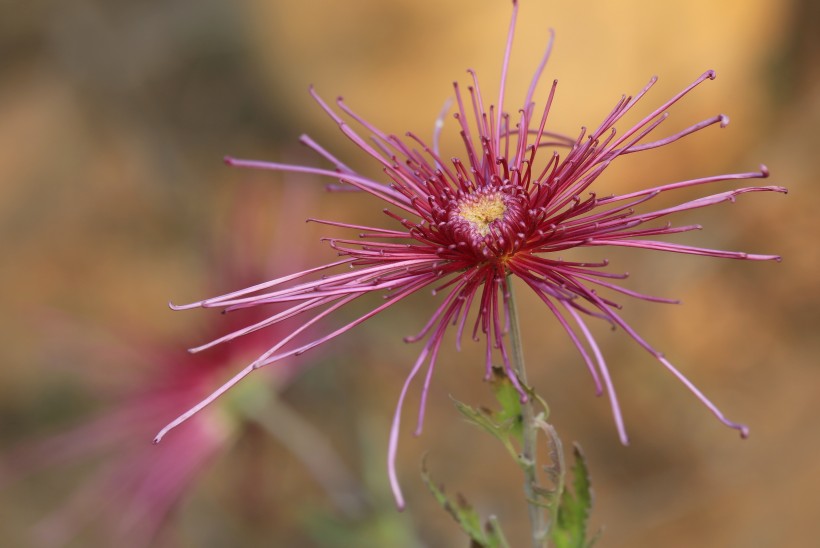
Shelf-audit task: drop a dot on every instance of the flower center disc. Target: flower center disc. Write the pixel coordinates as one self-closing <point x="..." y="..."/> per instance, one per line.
<point x="481" y="211"/>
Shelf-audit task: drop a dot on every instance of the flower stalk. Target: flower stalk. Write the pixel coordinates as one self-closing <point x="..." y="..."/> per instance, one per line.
<point x="529" y="427"/>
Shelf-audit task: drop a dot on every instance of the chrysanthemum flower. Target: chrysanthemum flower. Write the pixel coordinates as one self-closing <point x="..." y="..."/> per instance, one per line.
<point x="514" y="197"/>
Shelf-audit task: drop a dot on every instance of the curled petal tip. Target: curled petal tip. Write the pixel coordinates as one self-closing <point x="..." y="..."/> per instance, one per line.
<point x="710" y="74"/>
<point x="724" y="120"/>
<point x="176" y="307"/>
<point x="764" y="170"/>
<point x="742" y="429"/>
<point x="189" y="306"/>
<point x="229" y="160"/>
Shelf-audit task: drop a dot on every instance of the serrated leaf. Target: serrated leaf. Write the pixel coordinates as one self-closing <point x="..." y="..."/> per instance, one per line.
<point x="510" y="401"/>
<point x="569" y="528"/>
<point x="485" y="420"/>
<point x="581" y="485"/>
<point x="466" y="516"/>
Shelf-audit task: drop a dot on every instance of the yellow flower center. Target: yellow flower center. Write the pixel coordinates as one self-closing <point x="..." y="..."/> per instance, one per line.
<point x="480" y="212"/>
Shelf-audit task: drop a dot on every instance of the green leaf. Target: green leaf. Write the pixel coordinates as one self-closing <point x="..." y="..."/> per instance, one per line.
<point x="467" y="518"/>
<point x="510" y="400"/>
<point x="487" y="421"/>
<point x="569" y="528"/>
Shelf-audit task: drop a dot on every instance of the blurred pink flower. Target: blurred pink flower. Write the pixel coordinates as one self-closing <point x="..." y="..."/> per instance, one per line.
<point x="515" y="198"/>
<point x="130" y="495"/>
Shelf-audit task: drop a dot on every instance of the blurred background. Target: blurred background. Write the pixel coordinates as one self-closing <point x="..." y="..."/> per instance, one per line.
<point x="114" y="118"/>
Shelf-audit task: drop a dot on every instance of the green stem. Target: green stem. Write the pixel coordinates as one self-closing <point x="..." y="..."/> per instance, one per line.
<point x="538" y="523"/>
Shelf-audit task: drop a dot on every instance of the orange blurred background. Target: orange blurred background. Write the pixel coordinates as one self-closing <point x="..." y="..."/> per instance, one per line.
<point x="114" y="117"/>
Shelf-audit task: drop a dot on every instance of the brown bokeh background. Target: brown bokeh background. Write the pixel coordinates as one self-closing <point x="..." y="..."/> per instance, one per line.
<point x="114" y="117"/>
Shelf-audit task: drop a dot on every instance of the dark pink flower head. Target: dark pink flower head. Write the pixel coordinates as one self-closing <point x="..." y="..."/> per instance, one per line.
<point x="515" y="196"/>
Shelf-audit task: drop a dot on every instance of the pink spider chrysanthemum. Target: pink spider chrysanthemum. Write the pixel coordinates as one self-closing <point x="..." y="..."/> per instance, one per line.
<point x="464" y="226"/>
